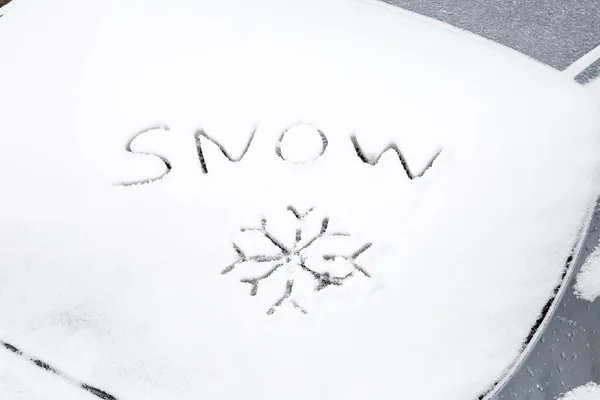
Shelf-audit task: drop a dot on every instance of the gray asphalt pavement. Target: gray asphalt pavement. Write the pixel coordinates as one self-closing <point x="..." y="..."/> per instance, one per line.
<point x="555" y="32"/>
<point x="590" y="73"/>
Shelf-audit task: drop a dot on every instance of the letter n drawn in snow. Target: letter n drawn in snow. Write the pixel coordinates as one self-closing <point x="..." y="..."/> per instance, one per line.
<point x="201" y="135"/>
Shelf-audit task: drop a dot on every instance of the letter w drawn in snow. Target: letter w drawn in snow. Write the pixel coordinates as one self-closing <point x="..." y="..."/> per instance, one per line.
<point x="373" y="160"/>
<point x="201" y="134"/>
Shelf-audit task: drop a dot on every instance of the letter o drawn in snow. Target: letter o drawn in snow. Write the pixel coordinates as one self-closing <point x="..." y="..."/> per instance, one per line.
<point x="301" y="143"/>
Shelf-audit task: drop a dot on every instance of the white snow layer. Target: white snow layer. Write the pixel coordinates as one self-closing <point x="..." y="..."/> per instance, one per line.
<point x="20" y="381"/>
<point x="595" y="87"/>
<point x="587" y="286"/>
<point x="127" y="288"/>
<point x="589" y="391"/>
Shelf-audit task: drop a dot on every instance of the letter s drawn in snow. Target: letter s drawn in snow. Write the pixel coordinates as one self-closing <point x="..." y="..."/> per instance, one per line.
<point x="162" y="158"/>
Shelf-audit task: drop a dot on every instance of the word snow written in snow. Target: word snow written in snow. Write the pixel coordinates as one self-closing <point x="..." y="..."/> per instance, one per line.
<point x="298" y="137"/>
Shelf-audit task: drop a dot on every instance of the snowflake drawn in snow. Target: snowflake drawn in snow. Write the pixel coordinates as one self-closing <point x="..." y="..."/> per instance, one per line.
<point x="292" y="260"/>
